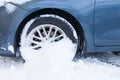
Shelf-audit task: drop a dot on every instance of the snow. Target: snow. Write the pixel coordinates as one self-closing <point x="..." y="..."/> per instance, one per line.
<point x="38" y="67"/>
<point x="3" y="48"/>
<point x="23" y="41"/>
<point x="10" y="48"/>
<point x="18" y="1"/>
<point x="11" y="8"/>
<point x="54" y="62"/>
<point x="2" y="2"/>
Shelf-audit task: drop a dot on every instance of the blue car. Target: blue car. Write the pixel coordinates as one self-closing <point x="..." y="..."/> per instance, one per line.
<point x="94" y="25"/>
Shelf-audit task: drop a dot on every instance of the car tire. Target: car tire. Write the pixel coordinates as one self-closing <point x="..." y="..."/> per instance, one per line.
<point x="45" y="27"/>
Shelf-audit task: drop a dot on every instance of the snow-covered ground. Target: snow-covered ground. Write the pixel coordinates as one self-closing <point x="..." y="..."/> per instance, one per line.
<point x="55" y="63"/>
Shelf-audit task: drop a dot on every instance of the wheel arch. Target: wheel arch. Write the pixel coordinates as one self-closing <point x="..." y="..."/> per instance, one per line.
<point x="69" y="17"/>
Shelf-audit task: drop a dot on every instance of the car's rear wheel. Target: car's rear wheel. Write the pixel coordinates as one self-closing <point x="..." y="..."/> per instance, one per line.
<point x="46" y="29"/>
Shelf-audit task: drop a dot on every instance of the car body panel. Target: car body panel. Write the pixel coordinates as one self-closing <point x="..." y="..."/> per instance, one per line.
<point x="7" y="33"/>
<point x="82" y="10"/>
<point x="107" y="23"/>
<point x="83" y="13"/>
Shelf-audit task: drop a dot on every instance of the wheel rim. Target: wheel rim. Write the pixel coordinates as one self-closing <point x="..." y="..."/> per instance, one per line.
<point x="43" y="35"/>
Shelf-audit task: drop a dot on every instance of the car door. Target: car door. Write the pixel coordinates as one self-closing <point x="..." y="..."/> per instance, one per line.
<point x="107" y="23"/>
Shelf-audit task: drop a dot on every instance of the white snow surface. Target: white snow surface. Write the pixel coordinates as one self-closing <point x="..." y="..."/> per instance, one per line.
<point x="11" y="8"/>
<point x="54" y="62"/>
<point x="10" y="48"/>
<point x="2" y="2"/>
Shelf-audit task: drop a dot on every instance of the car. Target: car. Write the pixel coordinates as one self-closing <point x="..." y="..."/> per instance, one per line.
<point x="94" y="25"/>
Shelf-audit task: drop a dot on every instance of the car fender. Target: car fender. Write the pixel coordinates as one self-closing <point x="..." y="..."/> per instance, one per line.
<point x="84" y="14"/>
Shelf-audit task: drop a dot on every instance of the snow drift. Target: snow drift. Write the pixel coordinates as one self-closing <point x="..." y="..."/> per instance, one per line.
<point x="55" y="63"/>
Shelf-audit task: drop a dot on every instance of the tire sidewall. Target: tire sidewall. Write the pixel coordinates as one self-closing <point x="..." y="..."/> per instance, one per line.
<point x="54" y="21"/>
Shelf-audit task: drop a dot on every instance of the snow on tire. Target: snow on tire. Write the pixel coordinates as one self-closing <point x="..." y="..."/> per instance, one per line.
<point x="42" y="32"/>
